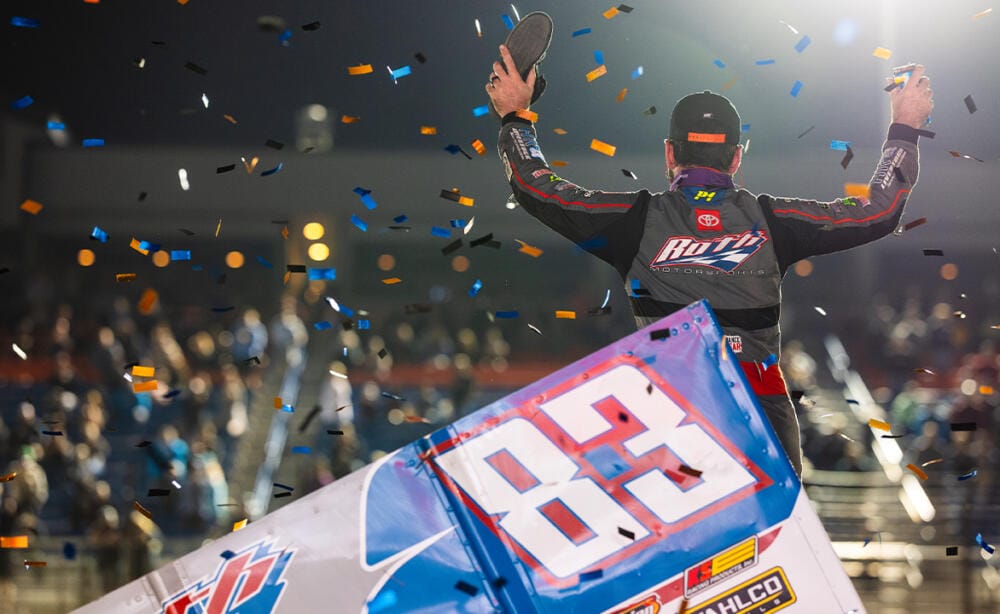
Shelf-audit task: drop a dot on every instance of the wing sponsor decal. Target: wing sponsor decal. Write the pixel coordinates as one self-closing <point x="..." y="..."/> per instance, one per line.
<point x="719" y="567"/>
<point x="725" y="253"/>
<point x="768" y="592"/>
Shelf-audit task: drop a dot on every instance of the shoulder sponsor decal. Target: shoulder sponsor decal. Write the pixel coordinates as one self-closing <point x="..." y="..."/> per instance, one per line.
<point x="768" y="592"/>
<point x="248" y="582"/>
<point x="725" y="253"/>
<point x="735" y="343"/>
<point x="721" y="566"/>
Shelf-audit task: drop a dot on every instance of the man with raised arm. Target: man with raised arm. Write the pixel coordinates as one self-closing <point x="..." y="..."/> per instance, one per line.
<point x="704" y="238"/>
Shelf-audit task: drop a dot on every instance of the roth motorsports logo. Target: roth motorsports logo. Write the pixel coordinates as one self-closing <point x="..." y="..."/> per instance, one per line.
<point x="247" y="582"/>
<point x="725" y="253"/>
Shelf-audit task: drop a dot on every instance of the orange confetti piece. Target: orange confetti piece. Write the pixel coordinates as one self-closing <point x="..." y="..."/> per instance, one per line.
<point x="284" y="233"/>
<point x="917" y="471"/>
<point x="559" y="131"/>
<point x="230" y="119"/>
<point x="878" y="424"/>
<point x="532" y="251"/>
<point x="882" y="53"/>
<point x="597" y="73"/>
<point x="986" y="390"/>
<point x="120" y="277"/>
<point x="42" y="563"/>
<point x="142" y="510"/>
<point x="8" y="477"/>
<point x="141" y="371"/>
<point x="239" y="524"/>
<point x="729" y="84"/>
<point x="252" y="165"/>
<point x="604" y="148"/>
<point x="148" y="301"/>
<point x="288" y="275"/>
<point x="361" y="69"/>
<point x="861" y="190"/>
<point x="98" y="1"/>
<point x="611" y="12"/>
<point x="391" y="280"/>
<point x="428" y="130"/>
<point x="145" y="386"/>
<point x="565" y="315"/>
<point x="14" y="541"/>
<point x="420" y="419"/>
<point x="31" y="206"/>
<point x="531" y="116"/>
<point x="559" y="163"/>
<point x="277" y="403"/>
<point x="219" y="227"/>
<point x="349" y="119"/>
<point x="479" y="147"/>
<point x="137" y="246"/>
<point x="465" y="200"/>
<point x="621" y="94"/>
<point x="182" y="1"/>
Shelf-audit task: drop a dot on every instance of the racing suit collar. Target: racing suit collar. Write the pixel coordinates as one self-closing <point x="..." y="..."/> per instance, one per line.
<point x="701" y="176"/>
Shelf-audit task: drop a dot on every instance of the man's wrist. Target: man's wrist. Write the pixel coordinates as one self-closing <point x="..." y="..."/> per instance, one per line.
<point x="517" y="116"/>
<point x="903" y="132"/>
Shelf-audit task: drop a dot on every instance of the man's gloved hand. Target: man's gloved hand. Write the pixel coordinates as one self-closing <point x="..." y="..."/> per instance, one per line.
<point x="508" y="92"/>
<point x="913" y="101"/>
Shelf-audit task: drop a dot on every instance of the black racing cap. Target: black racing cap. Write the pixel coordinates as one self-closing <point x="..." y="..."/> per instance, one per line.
<point x="705" y="118"/>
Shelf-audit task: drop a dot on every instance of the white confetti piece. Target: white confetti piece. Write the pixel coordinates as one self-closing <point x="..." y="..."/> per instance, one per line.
<point x="820" y="311"/>
<point x="182" y="175"/>
<point x="19" y="351"/>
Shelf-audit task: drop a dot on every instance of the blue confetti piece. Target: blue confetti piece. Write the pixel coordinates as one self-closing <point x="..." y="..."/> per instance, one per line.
<point x="400" y="72"/>
<point x="363" y="324"/>
<point x="478" y="112"/>
<point x="802" y="44"/>
<point x="288" y="409"/>
<point x="399" y="219"/>
<point x="93" y="142"/>
<point x="507" y="21"/>
<point x="173" y="393"/>
<point x="476" y="287"/>
<point x="284" y="36"/>
<point x="719" y="63"/>
<point x="197" y="267"/>
<point x="301" y="450"/>
<point x="180" y="254"/>
<point x="868" y="540"/>
<point x="506" y="315"/>
<point x="383" y="601"/>
<point x="99" y="235"/>
<point x="153" y="247"/>
<point x="637" y="72"/>
<point x="272" y="171"/>
<point x="969" y="475"/>
<point x="51" y="125"/>
<point x="982" y="544"/>
<point x="769" y="361"/>
<point x="598" y="57"/>
<point x="457" y="223"/>
<point x="327" y="273"/>
<point x="264" y="262"/>
<point x="591" y="575"/>
<point x="360" y="223"/>
<point x="24" y="22"/>
<point x="368" y="201"/>
<point x="437" y="231"/>
<point x="766" y="62"/>
<point x="347" y="311"/>
<point x="745" y="128"/>
<point x="840" y="145"/>
<point x="227" y="554"/>
<point x="22" y="103"/>
<point x="796" y="89"/>
<point x="580" y="32"/>
<point x="69" y="551"/>
<point x="322" y="325"/>
<point x="649" y="360"/>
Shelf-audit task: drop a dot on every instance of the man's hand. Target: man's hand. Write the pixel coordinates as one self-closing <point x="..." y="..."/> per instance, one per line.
<point x="912" y="102"/>
<point x="506" y="89"/>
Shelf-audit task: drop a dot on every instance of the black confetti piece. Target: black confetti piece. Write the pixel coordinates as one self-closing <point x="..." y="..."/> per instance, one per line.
<point x="622" y="416"/>
<point x="158" y="492"/>
<point x="808" y="130"/>
<point x="334" y="432"/>
<point x="926" y="133"/>
<point x="499" y="583"/>
<point x="891" y="86"/>
<point x="382" y="353"/>
<point x="225" y="169"/>
<point x="252" y="360"/>
<point x="933" y="252"/>
<point x="625" y="8"/>
<point x="650" y="111"/>
<point x="420" y="57"/>
<point x="273" y="144"/>
<point x="663" y="333"/>
<point x="963" y="426"/>
<point x="403" y="228"/>
<point x="347" y="324"/>
<point x="309" y="418"/>
<point x="418" y="308"/>
<point x="53" y="433"/>
<point x="279" y="495"/>
<point x="284" y="486"/>
<point x="628" y="173"/>
<point x="626" y="533"/>
<point x="951" y="551"/>
<point x="295" y="268"/>
<point x="847" y="157"/>
<point x="917" y="222"/>
<point x="279" y="222"/>
<point x="891" y="436"/>
<point x="142" y="196"/>
<point x="599" y="311"/>
<point x="452" y="247"/>
<point x="689" y="471"/>
<point x="227" y="554"/>
<point x="312" y="26"/>
<point x="186" y="231"/>
<point x="144" y="443"/>
<point x="4" y="270"/>
<point x="195" y="68"/>
<point x="797" y="394"/>
<point x="223" y="309"/>
<point x="467" y="588"/>
<point x="483" y="240"/>
<point x="159" y="43"/>
<point x="970" y="104"/>
<point x="449" y="195"/>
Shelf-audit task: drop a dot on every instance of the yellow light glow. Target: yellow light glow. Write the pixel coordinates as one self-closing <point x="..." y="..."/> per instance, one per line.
<point x="85" y="257"/>
<point x="386" y="262"/>
<point x="803" y="268"/>
<point x="234" y="259"/>
<point x="949" y="271"/>
<point x="161" y="258"/>
<point x="318" y="252"/>
<point x="313" y="231"/>
<point x="460" y="264"/>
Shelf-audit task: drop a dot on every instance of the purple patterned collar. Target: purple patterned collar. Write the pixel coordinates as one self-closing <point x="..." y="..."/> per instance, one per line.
<point x="701" y="176"/>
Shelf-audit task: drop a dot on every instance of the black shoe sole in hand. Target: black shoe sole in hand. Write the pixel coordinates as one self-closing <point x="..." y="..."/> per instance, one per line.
<point x="527" y="43"/>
